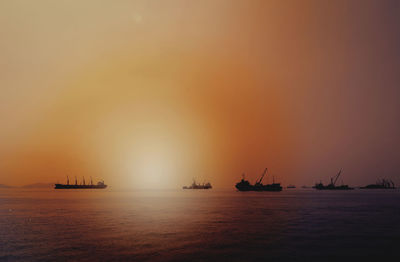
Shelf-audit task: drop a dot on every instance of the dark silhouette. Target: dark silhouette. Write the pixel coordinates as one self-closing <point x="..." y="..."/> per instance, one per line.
<point x="100" y="185"/>
<point x="244" y="185"/>
<point x="198" y="186"/>
<point x="291" y="186"/>
<point x="5" y="186"/>
<point x="39" y="185"/>
<point x="332" y="185"/>
<point x="381" y="184"/>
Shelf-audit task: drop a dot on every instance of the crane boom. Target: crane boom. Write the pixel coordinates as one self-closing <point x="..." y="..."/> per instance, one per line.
<point x="337" y="176"/>
<point x="265" y="171"/>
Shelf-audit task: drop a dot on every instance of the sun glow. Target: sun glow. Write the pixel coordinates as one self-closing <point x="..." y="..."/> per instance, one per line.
<point x="154" y="163"/>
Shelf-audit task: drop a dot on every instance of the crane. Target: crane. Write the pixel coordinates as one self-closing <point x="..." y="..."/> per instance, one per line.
<point x="259" y="181"/>
<point x="336" y="177"/>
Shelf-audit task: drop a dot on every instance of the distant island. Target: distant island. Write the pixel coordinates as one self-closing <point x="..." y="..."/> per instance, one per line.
<point x="39" y="185"/>
<point x="34" y="185"/>
<point x="5" y="186"/>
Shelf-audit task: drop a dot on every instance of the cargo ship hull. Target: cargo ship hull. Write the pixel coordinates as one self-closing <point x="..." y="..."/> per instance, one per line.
<point x="331" y="187"/>
<point x="270" y="187"/>
<point x="196" y="187"/>
<point x="376" y="187"/>
<point x="61" y="186"/>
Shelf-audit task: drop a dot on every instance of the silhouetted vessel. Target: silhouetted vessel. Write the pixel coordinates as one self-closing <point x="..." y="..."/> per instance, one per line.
<point x="332" y="185"/>
<point x="99" y="185"/>
<point x="198" y="186"/>
<point x="382" y="184"/>
<point x="291" y="186"/>
<point x="244" y="185"/>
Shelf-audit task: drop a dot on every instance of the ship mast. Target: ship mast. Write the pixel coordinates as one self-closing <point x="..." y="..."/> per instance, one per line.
<point x="67" y="180"/>
<point x="76" y="181"/>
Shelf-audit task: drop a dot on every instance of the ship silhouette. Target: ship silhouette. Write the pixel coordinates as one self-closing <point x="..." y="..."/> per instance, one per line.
<point x="198" y="186"/>
<point x="381" y="184"/>
<point x="245" y="185"/>
<point x="332" y="185"/>
<point x="83" y="185"/>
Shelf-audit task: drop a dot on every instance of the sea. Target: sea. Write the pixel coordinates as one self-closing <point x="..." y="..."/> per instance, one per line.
<point x="199" y="225"/>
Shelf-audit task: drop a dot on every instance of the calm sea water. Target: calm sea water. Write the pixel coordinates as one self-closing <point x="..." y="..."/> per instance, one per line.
<point x="292" y="225"/>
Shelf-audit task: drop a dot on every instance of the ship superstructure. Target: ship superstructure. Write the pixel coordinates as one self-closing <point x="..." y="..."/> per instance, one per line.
<point x="82" y="185"/>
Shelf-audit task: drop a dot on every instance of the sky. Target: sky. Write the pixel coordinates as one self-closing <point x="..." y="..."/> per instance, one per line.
<point x="151" y="94"/>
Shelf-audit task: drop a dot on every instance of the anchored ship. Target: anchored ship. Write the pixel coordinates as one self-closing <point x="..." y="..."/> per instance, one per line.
<point x="332" y="185"/>
<point x="83" y="185"/>
<point x="198" y="186"/>
<point x="245" y="185"/>
<point x="381" y="184"/>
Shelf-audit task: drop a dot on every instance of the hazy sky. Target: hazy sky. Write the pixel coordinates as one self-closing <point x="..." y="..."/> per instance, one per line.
<point x="153" y="93"/>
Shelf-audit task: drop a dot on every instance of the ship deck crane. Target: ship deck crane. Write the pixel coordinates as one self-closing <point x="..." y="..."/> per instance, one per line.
<point x="336" y="177"/>
<point x="259" y="181"/>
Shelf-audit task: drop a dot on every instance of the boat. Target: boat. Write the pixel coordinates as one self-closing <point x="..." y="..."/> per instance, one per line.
<point x="381" y="184"/>
<point x="245" y="185"/>
<point x="83" y="185"/>
<point x="291" y="186"/>
<point x="198" y="186"/>
<point x="332" y="185"/>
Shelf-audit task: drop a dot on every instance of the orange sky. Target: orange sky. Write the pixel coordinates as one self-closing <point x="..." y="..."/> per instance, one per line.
<point x="149" y="94"/>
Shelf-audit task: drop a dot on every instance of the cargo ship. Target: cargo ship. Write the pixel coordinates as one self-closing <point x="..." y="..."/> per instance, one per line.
<point x="332" y="185"/>
<point x="83" y="185"/>
<point x="382" y="184"/>
<point x="245" y="185"/>
<point x="198" y="186"/>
